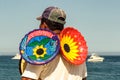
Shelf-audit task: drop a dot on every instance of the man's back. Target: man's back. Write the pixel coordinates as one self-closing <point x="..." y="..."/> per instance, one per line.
<point x="57" y="69"/>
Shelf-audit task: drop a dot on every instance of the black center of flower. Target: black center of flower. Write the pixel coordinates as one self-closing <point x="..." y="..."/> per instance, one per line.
<point x="40" y="51"/>
<point x="66" y="48"/>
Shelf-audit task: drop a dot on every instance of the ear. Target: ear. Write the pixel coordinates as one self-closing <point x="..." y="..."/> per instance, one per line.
<point x="44" y="25"/>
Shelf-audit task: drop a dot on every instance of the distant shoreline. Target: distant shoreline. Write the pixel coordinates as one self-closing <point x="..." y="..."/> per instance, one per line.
<point x="8" y="53"/>
<point x="89" y="53"/>
<point x="105" y="53"/>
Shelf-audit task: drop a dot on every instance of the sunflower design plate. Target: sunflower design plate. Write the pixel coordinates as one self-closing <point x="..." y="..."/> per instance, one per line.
<point x="73" y="46"/>
<point x="39" y="46"/>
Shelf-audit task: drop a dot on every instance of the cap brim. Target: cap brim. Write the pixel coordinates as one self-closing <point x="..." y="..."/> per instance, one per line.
<point x="39" y="18"/>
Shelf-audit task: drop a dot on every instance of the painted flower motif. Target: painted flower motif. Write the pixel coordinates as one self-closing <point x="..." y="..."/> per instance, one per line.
<point x="39" y="51"/>
<point x="69" y="47"/>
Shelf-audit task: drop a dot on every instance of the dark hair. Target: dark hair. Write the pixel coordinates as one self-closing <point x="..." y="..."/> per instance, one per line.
<point x="52" y="25"/>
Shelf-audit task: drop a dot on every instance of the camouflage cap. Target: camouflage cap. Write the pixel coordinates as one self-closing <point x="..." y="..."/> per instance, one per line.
<point x="54" y="14"/>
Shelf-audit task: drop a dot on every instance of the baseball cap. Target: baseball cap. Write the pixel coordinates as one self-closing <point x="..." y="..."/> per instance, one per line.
<point x="54" y="14"/>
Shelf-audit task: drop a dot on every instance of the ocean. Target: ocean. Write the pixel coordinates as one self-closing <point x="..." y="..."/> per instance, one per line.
<point x="107" y="70"/>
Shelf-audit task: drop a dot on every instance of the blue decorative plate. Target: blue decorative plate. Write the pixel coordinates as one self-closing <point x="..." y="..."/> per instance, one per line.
<point x="39" y="46"/>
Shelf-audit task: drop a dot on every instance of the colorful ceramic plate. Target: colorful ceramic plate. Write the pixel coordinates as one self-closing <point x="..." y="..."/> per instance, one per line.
<point x="39" y="46"/>
<point x="73" y="46"/>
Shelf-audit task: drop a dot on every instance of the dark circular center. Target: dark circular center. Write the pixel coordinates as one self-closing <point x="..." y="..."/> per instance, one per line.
<point x="40" y="51"/>
<point x="66" y="48"/>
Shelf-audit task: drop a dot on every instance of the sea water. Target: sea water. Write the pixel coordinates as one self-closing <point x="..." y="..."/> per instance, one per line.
<point x="9" y="68"/>
<point x="107" y="70"/>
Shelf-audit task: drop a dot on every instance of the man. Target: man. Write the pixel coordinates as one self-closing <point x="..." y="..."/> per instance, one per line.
<point x="53" y="18"/>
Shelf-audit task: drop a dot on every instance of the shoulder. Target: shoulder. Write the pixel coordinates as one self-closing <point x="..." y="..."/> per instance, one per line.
<point x="32" y="71"/>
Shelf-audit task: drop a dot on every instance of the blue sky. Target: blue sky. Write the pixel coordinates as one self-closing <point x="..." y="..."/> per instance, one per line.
<point x="97" y="20"/>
